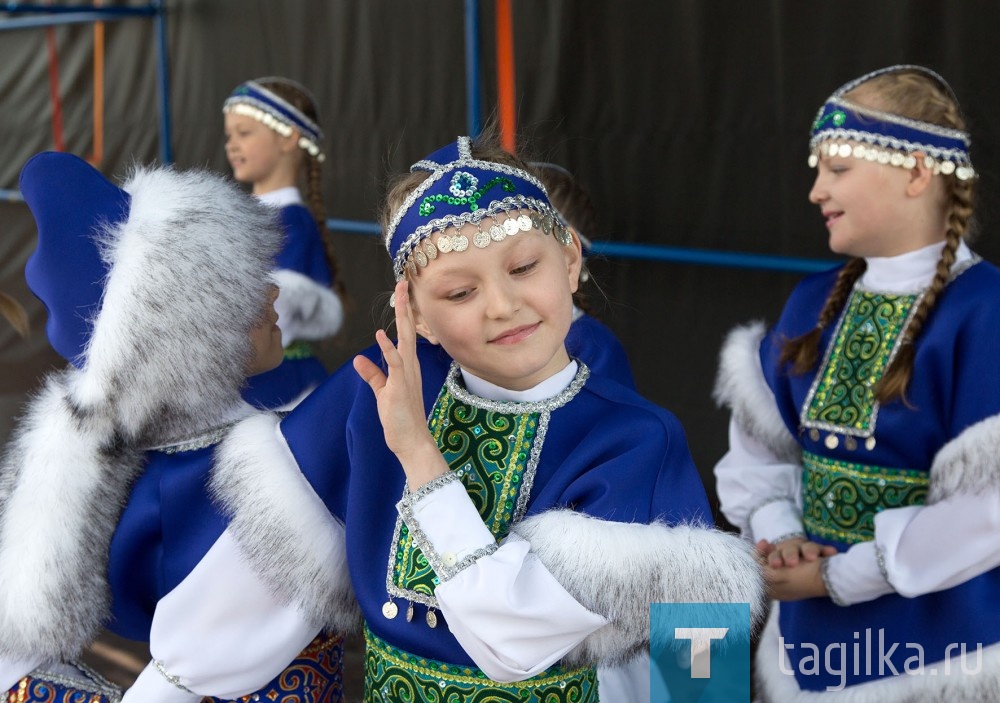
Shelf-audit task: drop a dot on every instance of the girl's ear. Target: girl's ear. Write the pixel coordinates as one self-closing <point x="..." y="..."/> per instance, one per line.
<point x="574" y="260"/>
<point x="920" y="176"/>
<point x="291" y="142"/>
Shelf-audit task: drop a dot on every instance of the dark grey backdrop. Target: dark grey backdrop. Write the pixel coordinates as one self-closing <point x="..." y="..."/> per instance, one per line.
<point x="687" y="120"/>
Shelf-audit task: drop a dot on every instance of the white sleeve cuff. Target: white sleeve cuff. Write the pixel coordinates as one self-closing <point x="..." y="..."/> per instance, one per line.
<point x="776" y="520"/>
<point x="446" y="526"/>
<point x="856" y="576"/>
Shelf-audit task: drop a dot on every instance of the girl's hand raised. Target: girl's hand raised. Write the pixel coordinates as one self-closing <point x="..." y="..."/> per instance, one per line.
<point x="399" y="396"/>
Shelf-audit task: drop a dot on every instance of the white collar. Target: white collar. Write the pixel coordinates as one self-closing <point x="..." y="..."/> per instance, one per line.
<point x="550" y="387"/>
<point x="281" y="197"/>
<point x="909" y="272"/>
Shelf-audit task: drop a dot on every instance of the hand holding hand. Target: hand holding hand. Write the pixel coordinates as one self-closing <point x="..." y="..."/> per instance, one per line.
<point x="790" y="552"/>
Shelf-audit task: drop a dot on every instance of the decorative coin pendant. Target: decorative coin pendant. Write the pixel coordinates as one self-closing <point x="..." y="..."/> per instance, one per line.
<point x="814" y="434"/>
<point x="510" y="227"/>
<point x="444" y="243"/>
<point x="497" y="233"/>
<point x="409" y="612"/>
<point x="523" y="223"/>
<point x="432" y="619"/>
<point x="481" y="239"/>
<point x="850" y="443"/>
<point x="831" y="441"/>
<point x="389" y="610"/>
<point x="870" y="443"/>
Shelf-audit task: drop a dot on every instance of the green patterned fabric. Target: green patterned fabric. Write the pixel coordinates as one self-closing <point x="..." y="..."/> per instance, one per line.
<point x="299" y="350"/>
<point x="394" y="676"/>
<point x="490" y="452"/>
<point x="841" y="498"/>
<point x="861" y="349"/>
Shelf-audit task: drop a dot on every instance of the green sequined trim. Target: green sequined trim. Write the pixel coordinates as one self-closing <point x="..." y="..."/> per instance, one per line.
<point x="490" y="453"/>
<point x="864" y="344"/>
<point x="471" y="195"/>
<point x="393" y="675"/>
<point x="299" y="350"/>
<point x="840" y="498"/>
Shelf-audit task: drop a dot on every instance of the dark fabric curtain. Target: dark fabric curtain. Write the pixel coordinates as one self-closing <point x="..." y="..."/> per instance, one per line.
<point x="687" y="120"/>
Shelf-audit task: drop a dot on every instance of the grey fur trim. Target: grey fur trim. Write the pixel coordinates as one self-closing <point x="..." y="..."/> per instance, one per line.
<point x="740" y="386"/>
<point x="64" y="480"/>
<point x="307" y="310"/>
<point x="618" y="569"/>
<point x="774" y="686"/>
<point x="187" y="283"/>
<point x="283" y="528"/>
<point x="969" y="464"/>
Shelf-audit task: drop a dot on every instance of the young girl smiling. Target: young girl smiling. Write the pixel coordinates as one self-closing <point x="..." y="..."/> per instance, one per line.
<point x="521" y="511"/>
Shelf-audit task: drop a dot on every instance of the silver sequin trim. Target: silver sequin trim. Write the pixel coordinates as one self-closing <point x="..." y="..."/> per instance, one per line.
<point x="880" y="558"/>
<point x="200" y="441"/>
<point x="957" y="270"/>
<point x="91" y="682"/>
<point x="824" y="568"/>
<point x="511" y="407"/>
<point x="174" y="680"/>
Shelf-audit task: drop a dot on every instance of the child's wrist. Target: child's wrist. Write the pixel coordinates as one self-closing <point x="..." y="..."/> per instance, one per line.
<point x="422" y="463"/>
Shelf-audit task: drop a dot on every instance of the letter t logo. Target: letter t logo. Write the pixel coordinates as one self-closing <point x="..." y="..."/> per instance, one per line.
<point x="701" y="641"/>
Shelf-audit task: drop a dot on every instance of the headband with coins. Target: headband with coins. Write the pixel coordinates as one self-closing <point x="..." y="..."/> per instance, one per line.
<point x="846" y="129"/>
<point x="254" y="100"/>
<point x="500" y="200"/>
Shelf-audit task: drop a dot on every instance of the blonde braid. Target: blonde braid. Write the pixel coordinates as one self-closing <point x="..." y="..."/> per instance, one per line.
<point x="803" y="351"/>
<point x="314" y="196"/>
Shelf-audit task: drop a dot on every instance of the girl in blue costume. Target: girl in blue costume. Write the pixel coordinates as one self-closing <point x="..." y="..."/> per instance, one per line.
<point x="588" y="339"/>
<point x="274" y="143"/>
<point x="158" y="296"/>
<point x="510" y="525"/>
<point x="865" y="435"/>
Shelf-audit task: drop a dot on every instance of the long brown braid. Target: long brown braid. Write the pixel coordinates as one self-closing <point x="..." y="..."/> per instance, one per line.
<point x="916" y="95"/>
<point x="312" y="171"/>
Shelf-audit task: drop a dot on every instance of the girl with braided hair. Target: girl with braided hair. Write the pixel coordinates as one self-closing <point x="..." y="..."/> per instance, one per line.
<point x="274" y="143"/>
<point x="866" y="424"/>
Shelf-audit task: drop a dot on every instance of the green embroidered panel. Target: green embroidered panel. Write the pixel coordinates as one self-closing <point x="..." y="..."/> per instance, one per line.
<point x="863" y="345"/>
<point x="490" y="452"/>
<point x="840" y="499"/>
<point x="392" y="675"/>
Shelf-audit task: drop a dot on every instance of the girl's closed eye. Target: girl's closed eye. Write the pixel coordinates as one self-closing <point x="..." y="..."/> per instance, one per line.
<point x="524" y="268"/>
<point x="457" y="296"/>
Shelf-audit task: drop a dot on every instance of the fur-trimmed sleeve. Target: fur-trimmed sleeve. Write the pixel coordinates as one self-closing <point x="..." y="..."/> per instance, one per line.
<point x="740" y="386"/>
<point x="63" y="463"/>
<point x="281" y="525"/>
<point x="968" y="464"/>
<point x="618" y="569"/>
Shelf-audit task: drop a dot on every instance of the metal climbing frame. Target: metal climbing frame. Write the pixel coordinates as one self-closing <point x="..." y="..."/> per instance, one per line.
<point x="35" y="16"/>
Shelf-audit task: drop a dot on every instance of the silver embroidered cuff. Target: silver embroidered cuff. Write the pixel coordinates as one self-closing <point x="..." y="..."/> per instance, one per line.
<point x="788" y="535"/>
<point x="444" y="566"/>
<point x="824" y="569"/>
<point x="174" y="680"/>
<point x="409" y="499"/>
<point x="880" y="558"/>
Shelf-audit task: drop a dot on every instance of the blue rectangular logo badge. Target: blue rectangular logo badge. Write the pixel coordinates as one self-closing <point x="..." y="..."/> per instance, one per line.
<point x="699" y="652"/>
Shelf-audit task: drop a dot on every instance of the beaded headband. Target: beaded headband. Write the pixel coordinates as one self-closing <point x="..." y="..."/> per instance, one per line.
<point x="454" y="194"/>
<point x="886" y="138"/>
<point x="254" y="100"/>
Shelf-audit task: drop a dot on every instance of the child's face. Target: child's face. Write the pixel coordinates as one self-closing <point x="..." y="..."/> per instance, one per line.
<point x="253" y="150"/>
<point x="502" y="312"/>
<point x="266" y="338"/>
<point x="866" y="207"/>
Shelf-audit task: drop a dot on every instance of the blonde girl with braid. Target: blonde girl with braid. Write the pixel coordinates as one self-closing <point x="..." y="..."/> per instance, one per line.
<point x="274" y="143"/>
<point x="864" y="457"/>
